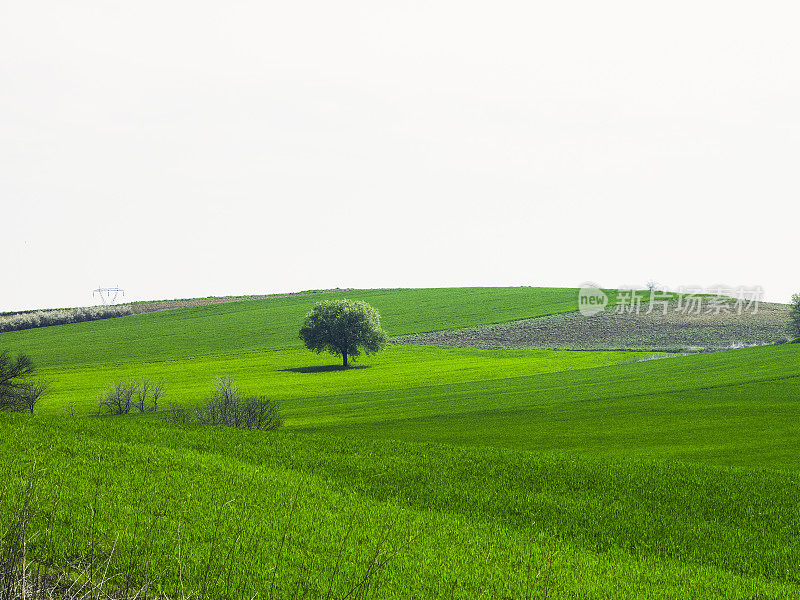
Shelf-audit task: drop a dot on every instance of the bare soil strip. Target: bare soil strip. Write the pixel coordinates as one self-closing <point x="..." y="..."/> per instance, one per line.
<point x="674" y="331"/>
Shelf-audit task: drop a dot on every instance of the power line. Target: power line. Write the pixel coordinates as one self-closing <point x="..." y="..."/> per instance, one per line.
<point x="108" y="295"/>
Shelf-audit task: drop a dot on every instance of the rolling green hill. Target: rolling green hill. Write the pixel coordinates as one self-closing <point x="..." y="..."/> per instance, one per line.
<point x="739" y="407"/>
<point x="221" y="511"/>
<point x="285" y="374"/>
<point x="272" y="323"/>
<point x="429" y="471"/>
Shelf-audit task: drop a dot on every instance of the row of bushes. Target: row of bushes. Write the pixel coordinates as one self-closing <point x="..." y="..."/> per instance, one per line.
<point x="42" y="318"/>
<point x="124" y="396"/>
<point x="224" y="406"/>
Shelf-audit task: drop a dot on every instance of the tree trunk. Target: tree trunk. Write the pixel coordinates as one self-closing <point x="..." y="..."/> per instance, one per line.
<point x="344" y="359"/>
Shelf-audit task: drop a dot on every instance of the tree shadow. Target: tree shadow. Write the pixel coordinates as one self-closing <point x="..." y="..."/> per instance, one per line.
<point x="325" y="368"/>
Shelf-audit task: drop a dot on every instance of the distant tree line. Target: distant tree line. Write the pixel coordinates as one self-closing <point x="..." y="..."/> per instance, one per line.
<point x="43" y="318"/>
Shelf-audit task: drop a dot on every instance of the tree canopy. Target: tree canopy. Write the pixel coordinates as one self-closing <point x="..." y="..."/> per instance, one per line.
<point x="343" y="327"/>
<point x="794" y="324"/>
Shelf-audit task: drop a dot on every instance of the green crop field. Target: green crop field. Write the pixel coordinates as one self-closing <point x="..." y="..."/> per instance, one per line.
<point x="288" y="374"/>
<point x="272" y="323"/>
<point x="730" y="408"/>
<point x="426" y="472"/>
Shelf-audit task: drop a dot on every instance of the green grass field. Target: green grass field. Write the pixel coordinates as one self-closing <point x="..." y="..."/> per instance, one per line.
<point x="462" y="521"/>
<point x="426" y="473"/>
<point x="272" y="324"/>
<point x="729" y="408"/>
<point x="289" y="374"/>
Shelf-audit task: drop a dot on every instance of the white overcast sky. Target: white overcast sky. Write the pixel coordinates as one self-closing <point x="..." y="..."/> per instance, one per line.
<point x="182" y="149"/>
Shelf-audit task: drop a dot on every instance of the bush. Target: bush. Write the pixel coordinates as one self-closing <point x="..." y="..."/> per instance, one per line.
<point x="147" y="394"/>
<point x="30" y="393"/>
<point x="123" y="396"/>
<point x="18" y="392"/>
<point x="226" y="406"/>
<point x="179" y="414"/>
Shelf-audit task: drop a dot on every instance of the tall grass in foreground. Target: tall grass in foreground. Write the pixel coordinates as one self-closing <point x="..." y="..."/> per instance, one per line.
<point x="27" y="569"/>
<point x="108" y="568"/>
<point x="228" y="513"/>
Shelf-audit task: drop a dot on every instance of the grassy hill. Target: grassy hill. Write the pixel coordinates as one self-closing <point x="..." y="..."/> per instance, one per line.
<point x="427" y="472"/>
<point x="272" y="323"/>
<point x="286" y="374"/>
<point x="223" y="511"/>
<point x="727" y="408"/>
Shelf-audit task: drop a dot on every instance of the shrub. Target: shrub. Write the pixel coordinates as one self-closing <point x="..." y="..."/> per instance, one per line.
<point x="221" y="407"/>
<point x="30" y="394"/>
<point x="258" y="412"/>
<point x="226" y="406"/>
<point x="179" y="414"/>
<point x="123" y="396"/>
<point x="18" y="392"/>
<point x="147" y="394"/>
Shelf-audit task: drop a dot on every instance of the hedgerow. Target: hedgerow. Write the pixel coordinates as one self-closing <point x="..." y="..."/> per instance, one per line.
<point x="43" y="318"/>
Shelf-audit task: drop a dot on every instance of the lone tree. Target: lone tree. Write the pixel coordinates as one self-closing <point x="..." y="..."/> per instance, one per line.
<point x="342" y="327"/>
<point x="794" y="315"/>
